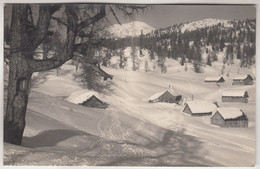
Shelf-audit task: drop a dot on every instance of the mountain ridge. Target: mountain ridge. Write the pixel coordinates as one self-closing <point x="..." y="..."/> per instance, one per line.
<point x="131" y="29"/>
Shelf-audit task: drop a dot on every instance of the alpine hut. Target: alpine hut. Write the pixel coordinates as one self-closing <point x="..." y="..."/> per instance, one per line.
<point x="88" y="99"/>
<point x="243" y="80"/>
<point x="235" y="96"/>
<point x="199" y="108"/>
<point x="229" y="117"/>
<point x="216" y="79"/>
<point x="168" y="96"/>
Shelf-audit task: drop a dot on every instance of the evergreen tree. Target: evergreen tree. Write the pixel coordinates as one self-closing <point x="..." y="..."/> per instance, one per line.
<point x="223" y="68"/>
<point x="141" y="42"/>
<point x="209" y="60"/>
<point x="238" y="51"/>
<point x="121" y="61"/>
<point x="152" y="55"/>
<point x="191" y="53"/>
<point x="134" y="56"/>
<point x="186" y="67"/>
<point x="197" y="63"/>
<point x="182" y="60"/>
<point x="146" y="66"/>
<point x="222" y="44"/>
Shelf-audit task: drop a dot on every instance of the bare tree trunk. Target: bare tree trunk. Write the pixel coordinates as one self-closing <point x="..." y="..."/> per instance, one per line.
<point x="25" y="38"/>
<point x="18" y="91"/>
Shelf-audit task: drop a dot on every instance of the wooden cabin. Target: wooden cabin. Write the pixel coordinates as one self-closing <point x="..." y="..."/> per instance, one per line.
<point x="168" y="96"/>
<point x="243" y="80"/>
<point x="229" y="117"/>
<point x="95" y="102"/>
<point x="199" y="108"/>
<point x="235" y="96"/>
<point x="88" y="99"/>
<point x="215" y="79"/>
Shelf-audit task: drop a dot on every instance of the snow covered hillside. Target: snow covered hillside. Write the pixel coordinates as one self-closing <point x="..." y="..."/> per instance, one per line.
<point x="131" y="29"/>
<point x="133" y="132"/>
<point x="204" y="23"/>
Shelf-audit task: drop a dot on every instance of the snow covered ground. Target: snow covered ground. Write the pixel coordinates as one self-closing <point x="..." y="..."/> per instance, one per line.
<point x="133" y="132"/>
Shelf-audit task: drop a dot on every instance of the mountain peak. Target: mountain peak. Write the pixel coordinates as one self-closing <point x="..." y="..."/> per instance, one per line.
<point x="131" y="29"/>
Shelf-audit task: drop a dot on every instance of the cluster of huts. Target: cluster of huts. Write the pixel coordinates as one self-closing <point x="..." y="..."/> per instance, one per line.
<point x="238" y="80"/>
<point x="223" y="117"/>
<point x="220" y="116"/>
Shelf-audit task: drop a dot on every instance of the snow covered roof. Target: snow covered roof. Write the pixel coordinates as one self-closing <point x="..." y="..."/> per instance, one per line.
<point x="201" y="106"/>
<point x="241" y="77"/>
<point x="234" y="93"/>
<point x="157" y="95"/>
<point x="213" y="78"/>
<point x="229" y="112"/>
<point x="81" y="96"/>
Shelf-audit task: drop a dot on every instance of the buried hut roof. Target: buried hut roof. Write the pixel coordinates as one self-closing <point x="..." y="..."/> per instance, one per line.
<point x="229" y="112"/>
<point x="201" y="106"/>
<point x="242" y="77"/>
<point x="81" y="96"/>
<point x="213" y="78"/>
<point x="157" y="95"/>
<point x="235" y="93"/>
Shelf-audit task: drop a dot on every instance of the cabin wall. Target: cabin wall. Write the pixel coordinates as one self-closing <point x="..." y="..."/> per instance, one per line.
<point x="247" y="81"/>
<point x="218" y="120"/>
<point x="167" y="97"/>
<point x="215" y="81"/>
<point x="236" y="123"/>
<point x="238" y="82"/>
<point x="187" y="109"/>
<point x="211" y="81"/>
<point x="95" y="103"/>
<point x="234" y="99"/>
<point x="201" y="114"/>
<point x="221" y="80"/>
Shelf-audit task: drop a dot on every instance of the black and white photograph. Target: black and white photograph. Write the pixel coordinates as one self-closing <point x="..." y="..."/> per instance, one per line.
<point x="129" y="84"/>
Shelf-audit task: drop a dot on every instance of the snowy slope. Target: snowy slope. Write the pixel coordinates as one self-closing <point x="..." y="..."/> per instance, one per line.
<point x="132" y="131"/>
<point x="204" y="23"/>
<point x="131" y="29"/>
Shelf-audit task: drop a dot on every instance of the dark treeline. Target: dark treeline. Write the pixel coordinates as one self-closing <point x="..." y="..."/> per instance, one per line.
<point x="238" y="39"/>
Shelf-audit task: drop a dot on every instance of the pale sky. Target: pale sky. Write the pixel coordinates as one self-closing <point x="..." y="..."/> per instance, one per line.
<point x="160" y="16"/>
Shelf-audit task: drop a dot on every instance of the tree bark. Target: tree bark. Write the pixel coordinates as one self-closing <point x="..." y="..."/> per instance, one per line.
<point x="18" y="92"/>
<point x="25" y="38"/>
<point x="22" y="65"/>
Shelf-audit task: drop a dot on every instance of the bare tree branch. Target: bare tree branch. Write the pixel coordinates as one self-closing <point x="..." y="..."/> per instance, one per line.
<point x="95" y="18"/>
<point x="114" y="14"/>
<point x="129" y="11"/>
<point x="41" y="31"/>
<point x="40" y="65"/>
<point x="60" y="21"/>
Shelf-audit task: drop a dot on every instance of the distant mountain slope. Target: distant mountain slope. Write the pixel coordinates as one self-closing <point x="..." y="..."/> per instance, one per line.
<point x="131" y="29"/>
<point x="204" y="23"/>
